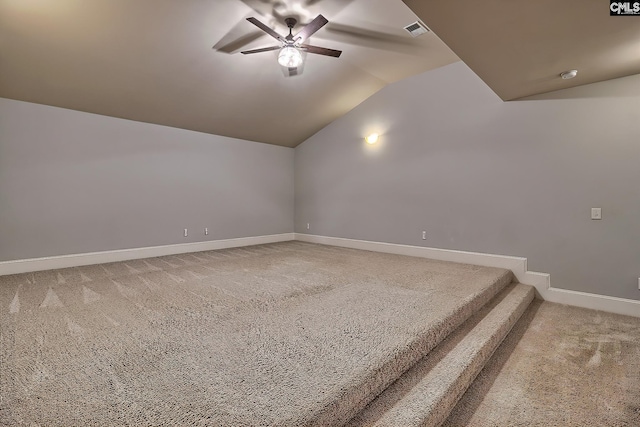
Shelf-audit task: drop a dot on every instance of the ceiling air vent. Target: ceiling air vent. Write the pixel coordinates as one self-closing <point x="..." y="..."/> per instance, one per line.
<point x="416" y="29"/>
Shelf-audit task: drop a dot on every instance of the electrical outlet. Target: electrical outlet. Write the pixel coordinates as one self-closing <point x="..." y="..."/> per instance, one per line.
<point x="596" y="213"/>
<point x="206" y="231"/>
<point x="185" y="232"/>
<point x="307" y="226"/>
<point x="424" y="235"/>
<point x="638" y="283"/>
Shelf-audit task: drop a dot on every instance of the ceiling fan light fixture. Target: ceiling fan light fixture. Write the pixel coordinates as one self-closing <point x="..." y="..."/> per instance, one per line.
<point x="290" y="57"/>
<point x="372" y="139"/>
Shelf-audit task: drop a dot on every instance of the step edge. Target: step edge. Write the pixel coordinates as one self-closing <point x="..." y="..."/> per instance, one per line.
<point x="343" y="408"/>
<point x="440" y="405"/>
<point x="457" y="389"/>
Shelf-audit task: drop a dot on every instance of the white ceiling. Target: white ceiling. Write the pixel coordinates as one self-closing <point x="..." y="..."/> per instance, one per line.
<point x="153" y="61"/>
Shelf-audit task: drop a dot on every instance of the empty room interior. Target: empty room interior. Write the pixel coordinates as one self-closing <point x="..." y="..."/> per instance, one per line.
<point x="319" y="213"/>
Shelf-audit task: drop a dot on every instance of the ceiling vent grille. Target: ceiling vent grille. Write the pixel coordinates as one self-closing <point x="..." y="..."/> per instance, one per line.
<point x="417" y="28"/>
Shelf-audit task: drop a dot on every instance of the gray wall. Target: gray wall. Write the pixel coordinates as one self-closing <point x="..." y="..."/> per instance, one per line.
<point x="478" y="174"/>
<point x="73" y="182"/>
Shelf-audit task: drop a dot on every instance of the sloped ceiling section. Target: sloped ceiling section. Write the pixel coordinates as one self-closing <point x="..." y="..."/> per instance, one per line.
<point x="153" y="61"/>
<point x="519" y="48"/>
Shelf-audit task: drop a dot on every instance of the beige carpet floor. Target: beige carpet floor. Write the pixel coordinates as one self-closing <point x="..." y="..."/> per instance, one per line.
<point x="560" y="366"/>
<point x="282" y="334"/>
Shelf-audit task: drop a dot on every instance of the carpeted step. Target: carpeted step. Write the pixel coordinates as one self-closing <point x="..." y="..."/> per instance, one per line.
<point x="426" y="393"/>
<point x="366" y="386"/>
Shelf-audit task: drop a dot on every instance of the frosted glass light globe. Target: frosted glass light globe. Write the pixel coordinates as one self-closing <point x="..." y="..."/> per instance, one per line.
<point x="290" y="57"/>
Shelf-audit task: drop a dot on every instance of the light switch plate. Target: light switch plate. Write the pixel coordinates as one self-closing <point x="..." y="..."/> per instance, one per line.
<point x="596" y="213"/>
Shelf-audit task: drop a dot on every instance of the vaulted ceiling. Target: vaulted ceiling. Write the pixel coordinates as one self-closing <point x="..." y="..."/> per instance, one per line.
<point x="178" y="63"/>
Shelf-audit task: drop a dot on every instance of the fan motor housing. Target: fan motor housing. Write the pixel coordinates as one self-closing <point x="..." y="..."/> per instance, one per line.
<point x="291" y="22"/>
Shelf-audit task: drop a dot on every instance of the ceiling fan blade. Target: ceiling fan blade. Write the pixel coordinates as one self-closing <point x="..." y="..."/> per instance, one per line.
<point x="229" y="44"/>
<point x="264" y="49"/>
<point x="329" y="7"/>
<point x="321" y="50"/>
<point x="263" y="7"/>
<point x="313" y="26"/>
<point x="374" y="39"/>
<point x="280" y="9"/>
<point x="266" y="29"/>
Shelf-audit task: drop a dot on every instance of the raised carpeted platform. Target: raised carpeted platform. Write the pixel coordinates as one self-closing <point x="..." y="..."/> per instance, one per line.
<point x="282" y="334"/>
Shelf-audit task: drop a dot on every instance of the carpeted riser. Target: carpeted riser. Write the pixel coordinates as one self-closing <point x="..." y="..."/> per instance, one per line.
<point x="425" y="395"/>
<point x="448" y="400"/>
<point x="357" y="397"/>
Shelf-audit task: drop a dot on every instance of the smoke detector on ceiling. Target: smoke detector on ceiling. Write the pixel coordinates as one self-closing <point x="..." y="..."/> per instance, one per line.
<point x="417" y="28"/>
<point x="569" y="74"/>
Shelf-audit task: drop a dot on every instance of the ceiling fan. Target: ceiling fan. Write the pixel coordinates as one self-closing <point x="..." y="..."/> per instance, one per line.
<point x="292" y="46"/>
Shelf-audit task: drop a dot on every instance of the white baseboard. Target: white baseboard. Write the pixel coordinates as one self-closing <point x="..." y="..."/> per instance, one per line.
<point x="518" y="265"/>
<point x="76" y="260"/>
<point x="616" y="305"/>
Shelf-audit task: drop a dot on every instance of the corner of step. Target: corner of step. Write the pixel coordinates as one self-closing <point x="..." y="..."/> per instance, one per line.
<point x="425" y="395"/>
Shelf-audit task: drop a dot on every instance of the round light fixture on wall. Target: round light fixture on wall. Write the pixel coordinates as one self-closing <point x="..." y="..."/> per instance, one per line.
<point x="290" y="57"/>
<point x="569" y="74"/>
<point x="372" y="139"/>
